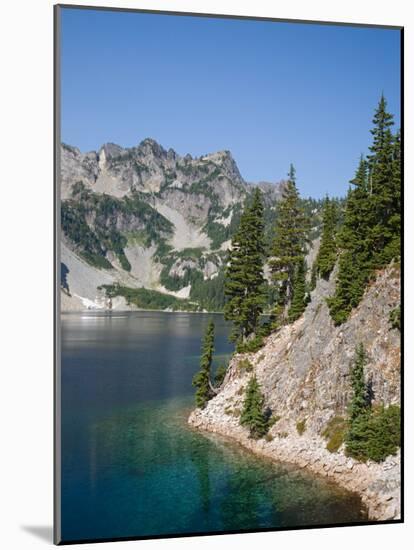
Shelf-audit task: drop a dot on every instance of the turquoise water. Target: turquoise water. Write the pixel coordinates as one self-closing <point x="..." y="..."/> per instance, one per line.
<point x="131" y="466"/>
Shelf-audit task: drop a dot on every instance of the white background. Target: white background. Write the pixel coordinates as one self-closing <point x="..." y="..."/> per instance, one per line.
<point x="26" y="250"/>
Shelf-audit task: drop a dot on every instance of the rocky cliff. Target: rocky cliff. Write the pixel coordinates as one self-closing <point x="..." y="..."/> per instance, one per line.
<point x="304" y="373"/>
<point x="146" y="217"/>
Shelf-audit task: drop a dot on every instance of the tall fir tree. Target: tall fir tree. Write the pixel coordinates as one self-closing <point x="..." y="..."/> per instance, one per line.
<point x="373" y="433"/>
<point x="397" y="182"/>
<point x="383" y="433"/>
<point x="253" y="415"/>
<point x="370" y="236"/>
<point x="288" y="248"/>
<point x="384" y="188"/>
<point x="354" y="261"/>
<point x="244" y="284"/>
<point x="299" y="292"/>
<point x="202" y="380"/>
<point x="357" y="437"/>
<point x="326" y="258"/>
<point x="393" y="248"/>
<point x="359" y="402"/>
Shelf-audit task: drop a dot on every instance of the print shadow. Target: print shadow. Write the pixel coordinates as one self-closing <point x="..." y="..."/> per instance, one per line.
<point x="44" y="532"/>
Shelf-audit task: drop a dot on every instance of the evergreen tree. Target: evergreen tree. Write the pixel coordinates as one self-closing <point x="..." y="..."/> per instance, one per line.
<point x="299" y="293"/>
<point x="313" y="277"/>
<point x="354" y="261"/>
<point x="326" y="258"/>
<point x="253" y="415"/>
<point x="359" y="402"/>
<point x="244" y="282"/>
<point x="370" y="236"/>
<point x="383" y="433"/>
<point x="393" y="249"/>
<point x="288" y="247"/>
<point x="201" y="380"/>
<point x="385" y="188"/>
<point x="373" y="433"/>
<point x="356" y="438"/>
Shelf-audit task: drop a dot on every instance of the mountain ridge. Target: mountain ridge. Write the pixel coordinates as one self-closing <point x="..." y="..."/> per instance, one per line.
<point x="152" y="219"/>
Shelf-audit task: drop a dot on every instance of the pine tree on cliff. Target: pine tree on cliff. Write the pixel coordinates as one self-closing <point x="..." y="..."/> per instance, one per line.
<point x="201" y="380"/>
<point x="359" y="402"/>
<point x="357" y="437"/>
<point x="326" y="258"/>
<point x="299" y="293"/>
<point x="244" y="282"/>
<point x="370" y="237"/>
<point x="354" y="260"/>
<point x="252" y="414"/>
<point x="288" y="247"/>
<point x="385" y="188"/>
<point x="383" y="433"/>
<point x="373" y="433"/>
<point x="395" y="219"/>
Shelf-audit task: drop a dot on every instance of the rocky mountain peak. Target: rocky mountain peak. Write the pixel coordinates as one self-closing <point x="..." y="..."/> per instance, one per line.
<point x="70" y="150"/>
<point x="224" y="159"/>
<point x="171" y="154"/>
<point x="111" y="150"/>
<point x="150" y="147"/>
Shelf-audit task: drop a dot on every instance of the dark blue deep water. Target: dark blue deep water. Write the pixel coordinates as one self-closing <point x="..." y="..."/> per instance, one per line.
<point x="132" y="467"/>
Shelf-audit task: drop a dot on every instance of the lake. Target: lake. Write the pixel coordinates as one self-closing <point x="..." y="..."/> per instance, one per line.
<point x="132" y="467"/>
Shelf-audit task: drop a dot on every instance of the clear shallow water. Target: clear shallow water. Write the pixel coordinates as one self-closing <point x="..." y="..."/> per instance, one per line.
<point x="131" y="466"/>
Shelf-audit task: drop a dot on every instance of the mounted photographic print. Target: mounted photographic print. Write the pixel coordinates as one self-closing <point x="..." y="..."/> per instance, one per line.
<point x="228" y="267"/>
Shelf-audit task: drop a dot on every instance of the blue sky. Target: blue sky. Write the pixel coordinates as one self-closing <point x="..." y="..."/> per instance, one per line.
<point x="271" y="93"/>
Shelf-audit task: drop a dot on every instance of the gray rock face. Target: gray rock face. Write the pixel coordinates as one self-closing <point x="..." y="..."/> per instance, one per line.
<point x="317" y="355"/>
<point x="271" y="192"/>
<point x="304" y="373"/>
<point x="76" y="166"/>
<point x="194" y="207"/>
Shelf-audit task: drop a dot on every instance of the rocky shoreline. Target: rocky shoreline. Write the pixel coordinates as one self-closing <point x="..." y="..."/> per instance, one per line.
<point x="304" y="374"/>
<point x="377" y="484"/>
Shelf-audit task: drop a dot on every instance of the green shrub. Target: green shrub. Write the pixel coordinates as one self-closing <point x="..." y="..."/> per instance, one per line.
<point x="335" y="432"/>
<point x="272" y="420"/>
<point x="301" y="427"/>
<point x="375" y="434"/>
<point x="96" y="260"/>
<point x="123" y="260"/>
<point x="162" y="249"/>
<point x="245" y="365"/>
<point x="251" y="346"/>
<point x="395" y="318"/>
